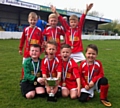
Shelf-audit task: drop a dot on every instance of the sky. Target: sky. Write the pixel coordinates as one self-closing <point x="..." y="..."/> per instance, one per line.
<point x="108" y="8"/>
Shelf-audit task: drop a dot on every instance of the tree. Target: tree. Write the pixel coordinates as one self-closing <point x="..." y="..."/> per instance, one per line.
<point x="95" y="13"/>
<point x="114" y="27"/>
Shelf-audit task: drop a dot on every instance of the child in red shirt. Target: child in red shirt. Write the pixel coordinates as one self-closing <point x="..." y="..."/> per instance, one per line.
<point x="51" y="67"/>
<point x="70" y="75"/>
<point x="53" y="32"/>
<point x="92" y="77"/>
<point x="31" y="35"/>
<point x="73" y="32"/>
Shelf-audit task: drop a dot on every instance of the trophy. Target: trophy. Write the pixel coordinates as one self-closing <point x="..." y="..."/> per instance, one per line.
<point x="51" y="81"/>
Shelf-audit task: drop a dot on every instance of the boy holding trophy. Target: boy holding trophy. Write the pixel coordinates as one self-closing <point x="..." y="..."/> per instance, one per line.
<point x="51" y="70"/>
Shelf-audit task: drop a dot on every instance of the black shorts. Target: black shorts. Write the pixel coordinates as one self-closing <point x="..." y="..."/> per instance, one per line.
<point x="27" y="87"/>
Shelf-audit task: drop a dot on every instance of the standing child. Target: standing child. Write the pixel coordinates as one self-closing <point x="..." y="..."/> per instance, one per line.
<point x="41" y="23"/>
<point x="51" y="67"/>
<point x="53" y="32"/>
<point x="71" y="77"/>
<point x="32" y="82"/>
<point x="73" y="32"/>
<point x="92" y="77"/>
<point x="30" y="35"/>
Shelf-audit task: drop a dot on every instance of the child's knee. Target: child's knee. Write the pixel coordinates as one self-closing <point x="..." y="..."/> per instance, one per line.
<point x="73" y="96"/>
<point x="30" y="95"/>
<point x="64" y="95"/>
<point x="103" y="81"/>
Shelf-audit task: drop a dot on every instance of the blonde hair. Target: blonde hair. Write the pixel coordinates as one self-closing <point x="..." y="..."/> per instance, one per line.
<point x="51" y="42"/>
<point x="52" y="16"/>
<point x="32" y="15"/>
<point x="73" y="17"/>
<point x="65" y="46"/>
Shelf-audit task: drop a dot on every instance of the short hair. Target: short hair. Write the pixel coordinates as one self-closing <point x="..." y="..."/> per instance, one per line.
<point x="73" y="17"/>
<point x="92" y="46"/>
<point x="65" y="46"/>
<point x="52" y="42"/>
<point x="33" y="15"/>
<point x="52" y="16"/>
<point x="36" y="46"/>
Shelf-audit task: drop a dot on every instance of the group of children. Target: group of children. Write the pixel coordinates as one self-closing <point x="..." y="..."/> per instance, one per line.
<point x="60" y="61"/>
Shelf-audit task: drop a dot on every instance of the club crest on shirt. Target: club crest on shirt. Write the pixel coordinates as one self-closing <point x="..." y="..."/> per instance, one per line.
<point x="54" y="74"/>
<point x="68" y="75"/>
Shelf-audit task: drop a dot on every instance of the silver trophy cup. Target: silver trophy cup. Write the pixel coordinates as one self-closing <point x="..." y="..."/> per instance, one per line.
<point x="51" y="81"/>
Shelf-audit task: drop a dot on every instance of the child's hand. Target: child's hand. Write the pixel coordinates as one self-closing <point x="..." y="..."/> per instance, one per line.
<point x="41" y="81"/>
<point x="43" y="44"/>
<point x="87" y="87"/>
<point x="91" y="84"/>
<point x="20" y="52"/>
<point x="53" y="8"/>
<point x="79" y="92"/>
<point x="55" y="89"/>
<point x="88" y="7"/>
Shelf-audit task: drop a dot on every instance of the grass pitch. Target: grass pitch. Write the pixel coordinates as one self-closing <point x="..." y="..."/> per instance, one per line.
<point x="10" y="72"/>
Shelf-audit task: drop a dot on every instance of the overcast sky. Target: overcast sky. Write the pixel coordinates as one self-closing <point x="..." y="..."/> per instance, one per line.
<point x="109" y="8"/>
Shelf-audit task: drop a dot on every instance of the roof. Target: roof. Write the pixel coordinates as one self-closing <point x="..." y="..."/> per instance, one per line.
<point x="37" y="7"/>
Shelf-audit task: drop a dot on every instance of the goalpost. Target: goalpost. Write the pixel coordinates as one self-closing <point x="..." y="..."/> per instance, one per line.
<point x="98" y="32"/>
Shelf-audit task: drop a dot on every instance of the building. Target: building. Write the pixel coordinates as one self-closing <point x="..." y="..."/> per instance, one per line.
<point x="14" y="13"/>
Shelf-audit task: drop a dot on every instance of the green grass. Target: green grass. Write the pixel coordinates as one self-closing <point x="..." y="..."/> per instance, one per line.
<point x="10" y="71"/>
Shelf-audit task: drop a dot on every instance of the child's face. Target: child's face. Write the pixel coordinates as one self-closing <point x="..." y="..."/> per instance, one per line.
<point x="73" y="23"/>
<point x="53" y="22"/>
<point x="32" y="21"/>
<point x="65" y="53"/>
<point x="91" y="55"/>
<point x="34" y="52"/>
<point x="51" y="50"/>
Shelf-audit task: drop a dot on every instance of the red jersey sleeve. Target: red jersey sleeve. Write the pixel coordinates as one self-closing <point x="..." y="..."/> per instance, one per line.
<point x="59" y="66"/>
<point x="81" y="22"/>
<point x="83" y="80"/>
<point x="75" y="70"/>
<point x="43" y="67"/>
<point x="22" y="40"/>
<point x="44" y="31"/>
<point x="63" y="22"/>
<point x="62" y="31"/>
<point x="41" y="38"/>
<point x="101" y="72"/>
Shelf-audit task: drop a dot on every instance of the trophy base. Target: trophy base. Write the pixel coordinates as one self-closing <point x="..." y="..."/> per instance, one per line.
<point x="52" y="99"/>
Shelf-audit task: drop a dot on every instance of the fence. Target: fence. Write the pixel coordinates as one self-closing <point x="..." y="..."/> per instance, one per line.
<point x="17" y="35"/>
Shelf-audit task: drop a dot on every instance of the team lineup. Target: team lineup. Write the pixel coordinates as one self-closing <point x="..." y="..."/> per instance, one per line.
<point x="76" y="75"/>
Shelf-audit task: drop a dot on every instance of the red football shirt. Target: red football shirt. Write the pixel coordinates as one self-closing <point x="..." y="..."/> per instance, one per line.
<point x="54" y="34"/>
<point x="72" y="73"/>
<point x="51" y="67"/>
<point x="73" y="35"/>
<point x="90" y="72"/>
<point x="30" y="36"/>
